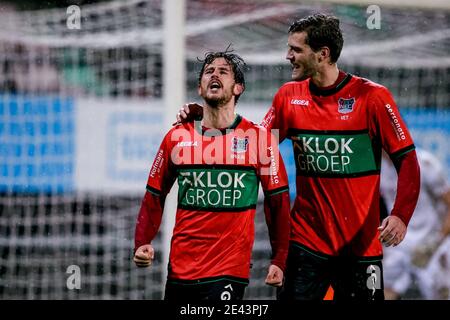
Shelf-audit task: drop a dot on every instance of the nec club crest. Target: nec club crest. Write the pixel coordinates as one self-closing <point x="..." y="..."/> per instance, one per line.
<point x="239" y="145"/>
<point x="346" y="105"/>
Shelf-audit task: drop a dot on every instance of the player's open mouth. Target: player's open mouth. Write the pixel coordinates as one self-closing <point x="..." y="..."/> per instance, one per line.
<point x="215" y="85"/>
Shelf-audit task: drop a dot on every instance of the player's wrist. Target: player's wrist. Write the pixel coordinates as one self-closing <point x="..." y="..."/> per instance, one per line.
<point x="279" y="264"/>
<point x="398" y="215"/>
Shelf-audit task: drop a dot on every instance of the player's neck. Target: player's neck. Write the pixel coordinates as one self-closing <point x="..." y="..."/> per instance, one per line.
<point x="220" y="117"/>
<point x="326" y="76"/>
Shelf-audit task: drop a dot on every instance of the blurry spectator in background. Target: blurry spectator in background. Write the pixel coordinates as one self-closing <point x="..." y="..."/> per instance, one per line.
<point x="28" y="70"/>
<point x="436" y="275"/>
<point x="428" y="234"/>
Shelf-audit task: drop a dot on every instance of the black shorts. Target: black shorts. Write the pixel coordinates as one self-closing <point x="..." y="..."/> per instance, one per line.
<point x="212" y="289"/>
<point x="309" y="275"/>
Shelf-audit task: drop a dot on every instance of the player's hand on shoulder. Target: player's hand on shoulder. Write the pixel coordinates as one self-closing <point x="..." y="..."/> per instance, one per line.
<point x="189" y="112"/>
<point x="392" y="231"/>
<point x="144" y="255"/>
<point x="274" y="276"/>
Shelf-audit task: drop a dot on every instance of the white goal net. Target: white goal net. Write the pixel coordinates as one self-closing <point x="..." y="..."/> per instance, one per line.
<point x="81" y="113"/>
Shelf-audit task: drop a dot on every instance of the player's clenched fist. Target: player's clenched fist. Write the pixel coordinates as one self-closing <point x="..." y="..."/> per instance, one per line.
<point x="144" y="255"/>
<point x="274" y="276"/>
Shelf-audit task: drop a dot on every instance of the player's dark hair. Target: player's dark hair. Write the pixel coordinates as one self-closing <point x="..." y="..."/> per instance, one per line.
<point x="235" y="61"/>
<point x="322" y="31"/>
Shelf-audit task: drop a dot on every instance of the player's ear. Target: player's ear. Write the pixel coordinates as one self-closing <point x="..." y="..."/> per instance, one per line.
<point x="238" y="89"/>
<point x="324" y="53"/>
<point x="199" y="91"/>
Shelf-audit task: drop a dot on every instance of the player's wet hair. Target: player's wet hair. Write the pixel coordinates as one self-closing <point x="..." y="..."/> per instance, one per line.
<point x="235" y="61"/>
<point x="322" y="31"/>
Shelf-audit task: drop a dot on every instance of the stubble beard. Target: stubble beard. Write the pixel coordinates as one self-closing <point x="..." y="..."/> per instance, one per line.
<point x="301" y="78"/>
<point x="304" y="74"/>
<point x="308" y="68"/>
<point x="216" y="102"/>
